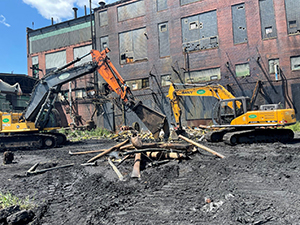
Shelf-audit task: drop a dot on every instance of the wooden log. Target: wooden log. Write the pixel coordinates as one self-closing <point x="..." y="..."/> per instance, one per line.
<point x="136" y="173"/>
<point x="125" y="147"/>
<point x="108" y="151"/>
<point x="48" y="169"/>
<point x="201" y="146"/>
<point x="116" y="170"/>
<point x="86" y="152"/>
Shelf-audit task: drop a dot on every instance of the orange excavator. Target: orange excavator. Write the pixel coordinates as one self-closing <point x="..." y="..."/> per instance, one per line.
<point x="36" y="126"/>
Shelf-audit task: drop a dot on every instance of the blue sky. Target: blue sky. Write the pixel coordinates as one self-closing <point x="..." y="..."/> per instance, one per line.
<point x="17" y="15"/>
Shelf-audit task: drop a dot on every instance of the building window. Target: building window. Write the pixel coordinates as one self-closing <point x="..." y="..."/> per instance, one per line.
<point x="164" y="42"/>
<point x="295" y="63"/>
<point x="200" y="32"/>
<point x="131" y="10"/>
<point x="103" y="19"/>
<point x="161" y="5"/>
<point x="133" y="46"/>
<point x="138" y="84"/>
<point x="272" y="64"/>
<point x="267" y="19"/>
<point x="80" y="51"/>
<point x="104" y="43"/>
<point x="35" y="66"/>
<point x="239" y="24"/>
<point x="55" y="60"/>
<point x="202" y="75"/>
<point x="165" y="80"/>
<point x="184" y="2"/>
<point x="242" y="70"/>
<point x="292" y="16"/>
<point x="80" y="94"/>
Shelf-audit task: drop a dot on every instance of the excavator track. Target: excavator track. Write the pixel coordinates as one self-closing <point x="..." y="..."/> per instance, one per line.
<point x="258" y="136"/>
<point x="31" y="141"/>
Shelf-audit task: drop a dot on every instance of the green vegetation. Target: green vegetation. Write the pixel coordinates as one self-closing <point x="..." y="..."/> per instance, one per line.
<point x="77" y="135"/>
<point x="7" y="200"/>
<point x="295" y="127"/>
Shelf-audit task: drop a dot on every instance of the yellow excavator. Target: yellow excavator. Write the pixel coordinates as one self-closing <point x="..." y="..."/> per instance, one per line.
<point x="36" y="126"/>
<point x="239" y="121"/>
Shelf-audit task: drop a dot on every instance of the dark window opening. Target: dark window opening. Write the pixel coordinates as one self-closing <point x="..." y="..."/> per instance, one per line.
<point x="293" y="24"/>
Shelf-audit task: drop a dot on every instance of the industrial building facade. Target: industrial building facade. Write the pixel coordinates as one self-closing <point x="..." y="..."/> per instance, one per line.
<point x="234" y="43"/>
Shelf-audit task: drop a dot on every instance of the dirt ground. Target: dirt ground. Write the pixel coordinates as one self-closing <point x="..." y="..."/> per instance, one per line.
<point x="253" y="184"/>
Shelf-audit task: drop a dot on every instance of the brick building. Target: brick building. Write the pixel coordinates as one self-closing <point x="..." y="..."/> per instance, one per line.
<point x="235" y="43"/>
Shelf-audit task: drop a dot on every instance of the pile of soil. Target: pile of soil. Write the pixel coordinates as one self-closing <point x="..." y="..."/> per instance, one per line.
<point x="253" y="184"/>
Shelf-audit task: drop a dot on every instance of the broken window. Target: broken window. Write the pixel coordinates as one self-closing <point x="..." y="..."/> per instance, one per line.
<point x="104" y="43"/>
<point x="80" y="51"/>
<point x="138" y="84"/>
<point x="202" y="75"/>
<point x="164" y="41"/>
<point x="239" y="24"/>
<point x="133" y="46"/>
<point x="295" y="63"/>
<point x="267" y="19"/>
<point x="55" y="60"/>
<point x="242" y="70"/>
<point x="272" y="64"/>
<point x="35" y="66"/>
<point x="292" y="16"/>
<point x="166" y="80"/>
<point x="79" y="94"/>
<point x="200" y="32"/>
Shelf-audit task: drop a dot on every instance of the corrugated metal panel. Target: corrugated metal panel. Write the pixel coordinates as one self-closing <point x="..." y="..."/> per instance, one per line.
<point x="131" y="10"/>
<point x="183" y="2"/>
<point x="55" y="60"/>
<point x="267" y="18"/>
<point x="293" y="15"/>
<point x="161" y="5"/>
<point x="80" y="51"/>
<point x="60" y="38"/>
<point x="202" y="75"/>
<point x="239" y="23"/>
<point x="139" y="44"/>
<point x="126" y="46"/>
<point x="103" y="20"/>
<point x="164" y="42"/>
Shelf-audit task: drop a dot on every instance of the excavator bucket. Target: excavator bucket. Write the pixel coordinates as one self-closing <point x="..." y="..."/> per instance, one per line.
<point x="152" y="119"/>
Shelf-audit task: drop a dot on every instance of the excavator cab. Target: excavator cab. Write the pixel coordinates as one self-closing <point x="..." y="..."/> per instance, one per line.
<point x="227" y="110"/>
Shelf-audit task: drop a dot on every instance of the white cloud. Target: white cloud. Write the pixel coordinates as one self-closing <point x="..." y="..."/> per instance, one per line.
<point x="2" y="20"/>
<point x="59" y="9"/>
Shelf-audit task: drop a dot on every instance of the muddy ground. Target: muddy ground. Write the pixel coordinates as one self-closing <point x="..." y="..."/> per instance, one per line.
<point x="254" y="184"/>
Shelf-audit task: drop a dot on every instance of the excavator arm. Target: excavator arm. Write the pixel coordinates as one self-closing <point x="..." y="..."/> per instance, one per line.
<point x="45" y="91"/>
<point x="215" y="90"/>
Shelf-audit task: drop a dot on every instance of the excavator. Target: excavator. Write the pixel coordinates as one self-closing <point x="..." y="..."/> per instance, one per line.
<point x="238" y="120"/>
<point x="36" y="126"/>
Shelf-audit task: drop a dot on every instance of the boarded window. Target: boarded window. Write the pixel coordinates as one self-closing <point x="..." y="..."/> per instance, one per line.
<point x="202" y="75"/>
<point x="184" y="2"/>
<point x="80" y="51"/>
<point x="239" y="24"/>
<point x="133" y="46"/>
<point x="104" y="43"/>
<point x="295" y="63"/>
<point x="55" y="60"/>
<point x="161" y="5"/>
<point x="103" y="20"/>
<point x="292" y="16"/>
<point x="272" y="64"/>
<point x="35" y="66"/>
<point x="200" y="32"/>
<point x="132" y="10"/>
<point x="164" y="42"/>
<point x="267" y="19"/>
<point x="242" y="70"/>
<point x="165" y="80"/>
<point x="138" y="84"/>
